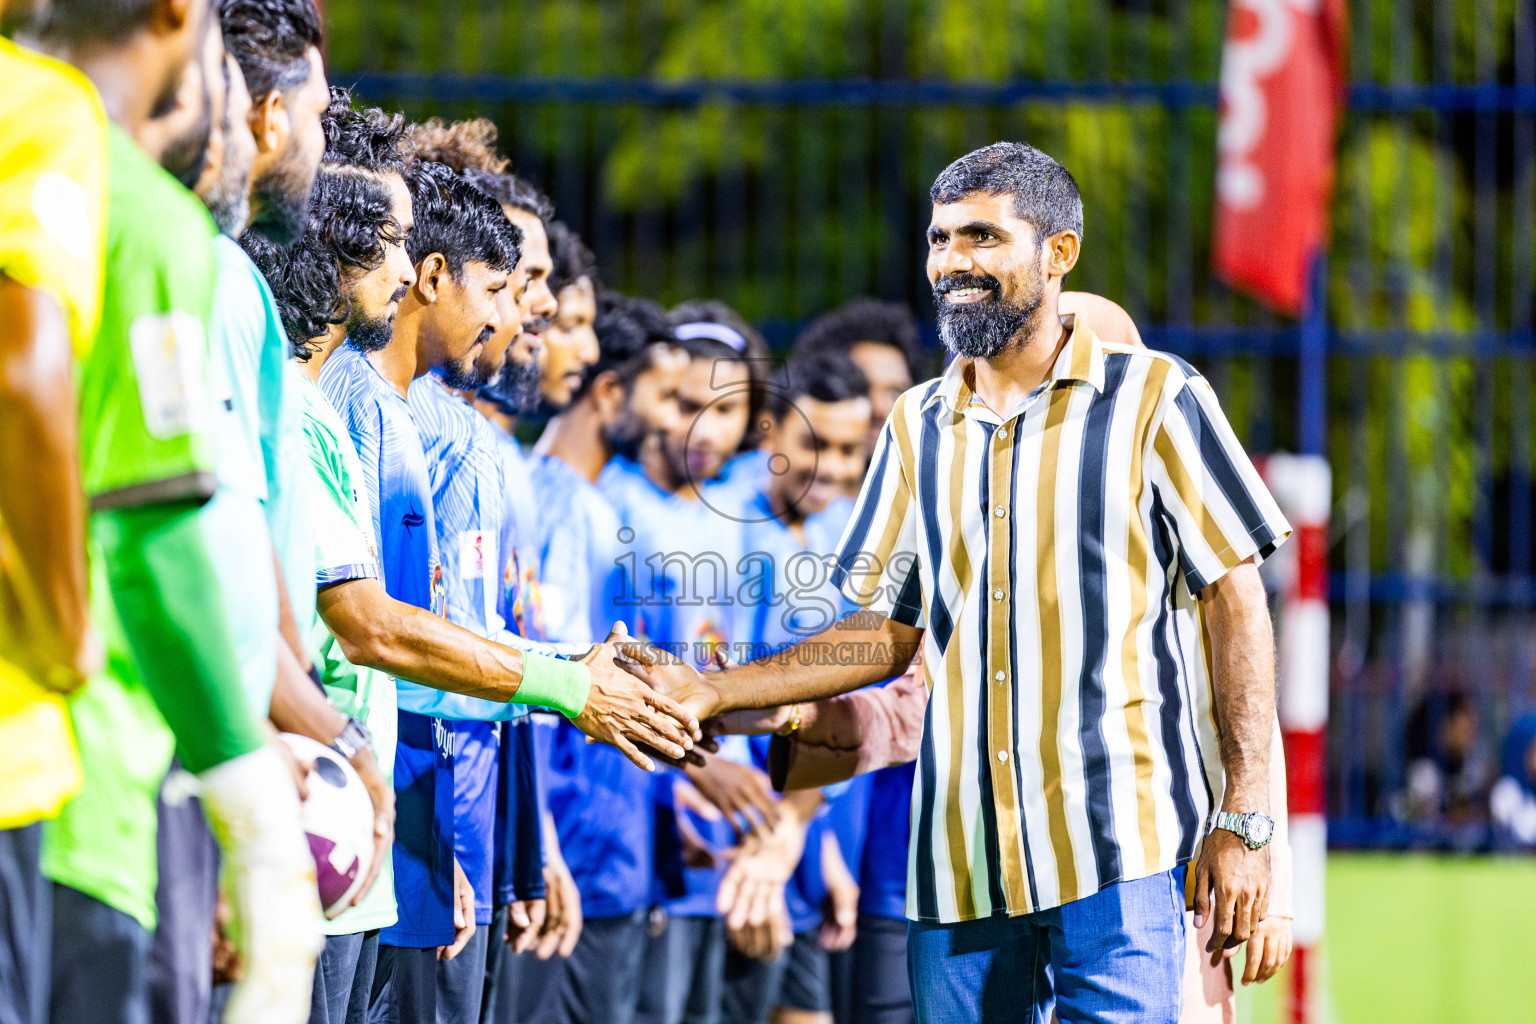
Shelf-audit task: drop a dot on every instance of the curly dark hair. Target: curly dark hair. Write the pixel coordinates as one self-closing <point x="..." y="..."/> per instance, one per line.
<point x="271" y="40"/>
<point x="571" y="258"/>
<point x="885" y="323"/>
<point x="369" y="140"/>
<point x="510" y="190"/>
<point x="351" y="219"/>
<point x="827" y="376"/>
<point x="457" y="220"/>
<point x="626" y="329"/>
<point x="461" y="145"/>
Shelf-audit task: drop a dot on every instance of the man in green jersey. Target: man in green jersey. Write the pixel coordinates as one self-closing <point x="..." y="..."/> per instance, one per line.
<point x="172" y="682"/>
<point x="211" y="125"/>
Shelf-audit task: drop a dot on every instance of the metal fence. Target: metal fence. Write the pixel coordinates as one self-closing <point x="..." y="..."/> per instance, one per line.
<point x="777" y="153"/>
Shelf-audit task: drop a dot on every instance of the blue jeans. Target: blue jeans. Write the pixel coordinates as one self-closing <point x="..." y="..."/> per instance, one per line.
<point x="1115" y="957"/>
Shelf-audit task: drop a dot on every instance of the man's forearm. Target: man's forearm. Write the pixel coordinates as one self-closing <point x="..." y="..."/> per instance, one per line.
<point x="299" y="706"/>
<point x="1243" y="658"/>
<point x="862" y="649"/>
<point x="41" y="502"/>
<point x="411" y="643"/>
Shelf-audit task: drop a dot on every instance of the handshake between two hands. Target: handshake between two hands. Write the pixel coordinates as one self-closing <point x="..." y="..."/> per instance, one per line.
<point x="647" y="702"/>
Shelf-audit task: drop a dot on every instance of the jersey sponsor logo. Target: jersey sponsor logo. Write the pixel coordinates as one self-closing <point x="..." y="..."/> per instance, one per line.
<point x="169" y="360"/>
<point x="472" y="544"/>
<point x="442" y="739"/>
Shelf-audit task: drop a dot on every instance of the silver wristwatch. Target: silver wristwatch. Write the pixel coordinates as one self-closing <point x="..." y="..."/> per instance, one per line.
<point x="1254" y="829"/>
<point x="353" y="738"/>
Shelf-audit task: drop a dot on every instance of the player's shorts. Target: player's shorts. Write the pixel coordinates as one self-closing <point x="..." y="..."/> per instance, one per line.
<point x="461" y="981"/>
<point x="100" y="969"/>
<point x="800" y="979"/>
<point x="344" y="978"/>
<point x="684" y="972"/>
<point x="186" y="894"/>
<point x="882" y="994"/>
<point x="404" y="986"/>
<point x="601" y="980"/>
<point x="26" y="913"/>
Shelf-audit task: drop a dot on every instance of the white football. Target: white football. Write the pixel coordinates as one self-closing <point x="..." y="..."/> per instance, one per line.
<point x="338" y="820"/>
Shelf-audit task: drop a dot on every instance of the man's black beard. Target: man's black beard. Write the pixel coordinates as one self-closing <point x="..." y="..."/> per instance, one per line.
<point x="369" y="333"/>
<point x="626" y="435"/>
<point x="186" y="157"/>
<point x="517" y="386"/>
<point x="459" y="376"/>
<point x="981" y="330"/>
<point x="282" y="199"/>
<point x="229" y="202"/>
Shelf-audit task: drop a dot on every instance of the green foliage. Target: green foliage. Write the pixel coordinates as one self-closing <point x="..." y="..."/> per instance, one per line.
<point x="784" y="211"/>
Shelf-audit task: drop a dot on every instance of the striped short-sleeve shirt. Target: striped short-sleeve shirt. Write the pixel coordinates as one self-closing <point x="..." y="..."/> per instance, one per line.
<point x="1054" y="557"/>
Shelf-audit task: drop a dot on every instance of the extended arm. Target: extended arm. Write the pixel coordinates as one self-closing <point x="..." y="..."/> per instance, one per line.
<point x="850" y="735"/>
<point x="861" y="649"/>
<point x="594" y="693"/>
<point x="411" y="643"/>
<point x="41" y="502"/>
<point x="1232" y="882"/>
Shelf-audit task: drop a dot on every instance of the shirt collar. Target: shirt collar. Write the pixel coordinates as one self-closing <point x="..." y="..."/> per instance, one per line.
<point x="1080" y="359"/>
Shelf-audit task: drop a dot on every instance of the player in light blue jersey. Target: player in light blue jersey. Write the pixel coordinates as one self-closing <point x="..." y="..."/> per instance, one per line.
<point x="599" y="804"/>
<point x="370" y="391"/>
<point x="520" y="874"/>
<point x="680" y="548"/>
<point x="819" y="411"/>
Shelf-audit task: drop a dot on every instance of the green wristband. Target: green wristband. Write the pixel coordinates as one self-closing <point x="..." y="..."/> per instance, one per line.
<point x="554" y="683"/>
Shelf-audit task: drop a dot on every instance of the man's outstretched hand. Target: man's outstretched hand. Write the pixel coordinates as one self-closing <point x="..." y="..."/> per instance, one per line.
<point x="624" y="709"/>
<point x="675" y="678"/>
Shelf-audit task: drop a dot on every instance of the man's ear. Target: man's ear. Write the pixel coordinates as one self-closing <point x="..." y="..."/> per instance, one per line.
<point x="607" y="393"/>
<point x="1061" y="250"/>
<point x="170" y="15"/>
<point x="269" y="122"/>
<point x="429" y="277"/>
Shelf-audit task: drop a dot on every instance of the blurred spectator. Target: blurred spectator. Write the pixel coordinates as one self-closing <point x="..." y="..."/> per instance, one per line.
<point x="1513" y="800"/>
<point x="1445" y="772"/>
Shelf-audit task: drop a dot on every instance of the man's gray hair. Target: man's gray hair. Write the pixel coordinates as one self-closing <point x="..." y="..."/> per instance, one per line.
<point x="1044" y="192"/>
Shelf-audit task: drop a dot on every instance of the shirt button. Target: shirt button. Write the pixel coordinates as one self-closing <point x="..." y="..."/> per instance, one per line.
<point x="1002" y="756"/>
<point x="999" y="512"/>
<point x="1002" y="432"/>
<point x="997" y="595"/>
<point x="1001" y="675"/>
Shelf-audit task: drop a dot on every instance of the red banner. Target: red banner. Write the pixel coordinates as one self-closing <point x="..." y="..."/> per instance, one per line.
<point x="1282" y="78"/>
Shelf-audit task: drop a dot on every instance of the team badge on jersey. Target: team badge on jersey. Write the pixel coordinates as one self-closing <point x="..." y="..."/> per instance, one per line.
<point x="439" y="591"/>
<point x="707" y="639"/>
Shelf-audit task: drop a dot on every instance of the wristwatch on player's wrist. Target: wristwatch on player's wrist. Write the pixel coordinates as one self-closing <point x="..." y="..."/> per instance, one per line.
<point x="1255" y="829"/>
<point x="354" y="737"/>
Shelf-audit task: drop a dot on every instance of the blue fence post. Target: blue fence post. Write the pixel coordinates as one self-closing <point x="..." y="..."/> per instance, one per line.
<point x="1312" y="375"/>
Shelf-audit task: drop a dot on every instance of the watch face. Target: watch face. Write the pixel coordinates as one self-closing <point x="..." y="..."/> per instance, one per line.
<point x="1259" y="828"/>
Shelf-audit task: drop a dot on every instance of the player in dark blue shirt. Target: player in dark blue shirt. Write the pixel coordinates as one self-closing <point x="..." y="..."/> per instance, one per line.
<point x="461" y="242"/>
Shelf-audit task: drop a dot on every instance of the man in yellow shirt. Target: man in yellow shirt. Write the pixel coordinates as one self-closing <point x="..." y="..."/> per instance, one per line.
<point x="52" y="234"/>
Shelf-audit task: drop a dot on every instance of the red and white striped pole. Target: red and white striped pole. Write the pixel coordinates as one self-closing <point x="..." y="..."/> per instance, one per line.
<point x="1303" y="487"/>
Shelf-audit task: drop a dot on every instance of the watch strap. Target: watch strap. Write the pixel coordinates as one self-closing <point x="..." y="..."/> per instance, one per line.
<point x="353" y="738"/>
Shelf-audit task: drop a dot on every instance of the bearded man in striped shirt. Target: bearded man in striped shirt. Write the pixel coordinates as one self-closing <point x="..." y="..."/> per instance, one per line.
<point x="1069" y="531"/>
